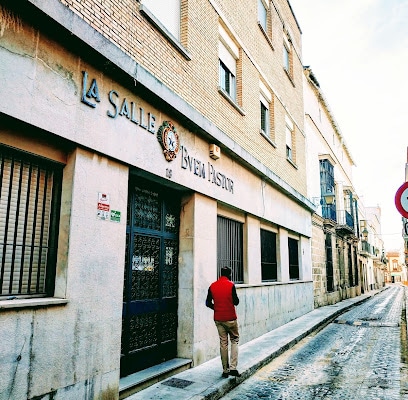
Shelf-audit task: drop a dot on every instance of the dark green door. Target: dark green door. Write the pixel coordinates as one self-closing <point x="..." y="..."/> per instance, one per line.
<point x="149" y="329"/>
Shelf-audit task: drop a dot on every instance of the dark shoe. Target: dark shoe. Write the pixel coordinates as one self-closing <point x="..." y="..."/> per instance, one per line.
<point x="225" y="375"/>
<point x="234" y="372"/>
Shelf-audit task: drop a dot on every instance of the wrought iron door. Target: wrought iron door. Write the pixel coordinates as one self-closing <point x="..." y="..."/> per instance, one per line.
<point x="149" y="329"/>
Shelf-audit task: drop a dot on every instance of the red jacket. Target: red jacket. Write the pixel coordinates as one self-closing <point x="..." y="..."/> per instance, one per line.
<point x="222" y="298"/>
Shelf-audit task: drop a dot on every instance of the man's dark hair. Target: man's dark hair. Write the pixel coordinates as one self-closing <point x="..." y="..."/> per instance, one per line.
<point x="226" y="271"/>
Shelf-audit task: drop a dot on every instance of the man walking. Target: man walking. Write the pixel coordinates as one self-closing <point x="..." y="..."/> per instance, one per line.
<point x="222" y="298"/>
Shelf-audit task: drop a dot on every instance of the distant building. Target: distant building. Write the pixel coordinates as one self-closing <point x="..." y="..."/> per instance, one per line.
<point x="396" y="270"/>
<point x="335" y="238"/>
<point x="347" y="249"/>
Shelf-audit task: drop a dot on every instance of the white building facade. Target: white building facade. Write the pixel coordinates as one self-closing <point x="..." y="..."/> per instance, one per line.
<point x="336" y="269"/>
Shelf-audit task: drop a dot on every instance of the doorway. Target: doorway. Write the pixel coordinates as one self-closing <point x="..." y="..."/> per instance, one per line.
<point x="149" y="318"/>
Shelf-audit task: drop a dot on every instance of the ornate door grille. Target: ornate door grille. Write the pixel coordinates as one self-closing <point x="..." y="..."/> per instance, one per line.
<point x="149" y="333"/>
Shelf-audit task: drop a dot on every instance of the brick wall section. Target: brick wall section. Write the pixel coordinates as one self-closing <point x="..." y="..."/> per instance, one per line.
<point x="196" y="80"/>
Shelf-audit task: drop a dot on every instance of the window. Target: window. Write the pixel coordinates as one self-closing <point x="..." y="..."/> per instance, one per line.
<point x="227" y="81"/>
<point x="287" y="55"/>
<point x="262" y="14"/>
<point x="293" y="245"/>
<point x="327" y="186"/>
<point x="168" y="13"/>
<point x="229" y="247"/>
<point x="350" y="265"/>
<point x="264" y="119"/>
<point x="265" y="104"/>
<point x="268" y="256"/>
<point x="228" y="56"/>
<point x="29" y="213"/>
<point x="286" y="59"/>
<point x="329" y="263"/>
<point x="289" y="139"/>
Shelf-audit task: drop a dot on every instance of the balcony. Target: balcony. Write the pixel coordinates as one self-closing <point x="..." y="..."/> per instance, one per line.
<point x="341" y="219"/>
<point x="367" y="249"/>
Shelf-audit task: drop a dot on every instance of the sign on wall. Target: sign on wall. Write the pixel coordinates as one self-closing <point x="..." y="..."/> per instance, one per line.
<point x="401" y="200"/>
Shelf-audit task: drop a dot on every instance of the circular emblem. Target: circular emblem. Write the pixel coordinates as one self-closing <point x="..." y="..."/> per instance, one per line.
<point x="169" y="140"/>
<point x="401" y="200"/>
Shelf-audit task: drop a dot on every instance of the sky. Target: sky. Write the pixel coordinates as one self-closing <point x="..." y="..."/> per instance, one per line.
<point x="358" y="51"/>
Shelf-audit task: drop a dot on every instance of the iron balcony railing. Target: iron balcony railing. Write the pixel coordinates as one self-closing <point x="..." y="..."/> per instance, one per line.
<point x="345" y="218"/>
<point x="367" y="248"/>
<point x="342" y="217"/>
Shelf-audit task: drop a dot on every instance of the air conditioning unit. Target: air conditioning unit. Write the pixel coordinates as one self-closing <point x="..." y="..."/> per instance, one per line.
<point x="215" y="152"/>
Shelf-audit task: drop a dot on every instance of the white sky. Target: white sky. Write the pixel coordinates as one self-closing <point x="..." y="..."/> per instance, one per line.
<point x="358" y="51"/>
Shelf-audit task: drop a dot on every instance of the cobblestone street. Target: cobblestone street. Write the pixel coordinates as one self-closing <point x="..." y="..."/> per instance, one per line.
<point x="361" y="355"/>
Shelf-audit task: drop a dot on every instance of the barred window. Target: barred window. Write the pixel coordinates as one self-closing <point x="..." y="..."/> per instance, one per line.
<point x="293" y="259"/>
<point x="229" y="247"/>
<point x="329" y="263"/>
<point x="30" y="191"/>
<point x="268" y="256"/>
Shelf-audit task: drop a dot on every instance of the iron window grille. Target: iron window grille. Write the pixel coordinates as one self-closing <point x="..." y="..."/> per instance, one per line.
<point x="269" y="265"/>
<point x="230" y="248"/>
<point x="30" y="192"/>
<point x="329" y="263"/>
<point x="293" y="245"/>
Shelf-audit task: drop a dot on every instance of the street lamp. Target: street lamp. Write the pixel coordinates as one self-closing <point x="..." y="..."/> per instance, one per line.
<point x="329" y="197"/>
<point x="365" y="233"/>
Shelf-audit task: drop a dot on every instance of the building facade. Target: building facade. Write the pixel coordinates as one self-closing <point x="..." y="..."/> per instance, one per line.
<point x="143" y="146"/>
<point x="335" y="237"/>
<point x="396" y="269"/>
<point x="373" y="261"/>
<point x="347" y="247"/>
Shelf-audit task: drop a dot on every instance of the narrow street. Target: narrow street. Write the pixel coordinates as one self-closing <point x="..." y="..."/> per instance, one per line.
<point x="361" y="355"/>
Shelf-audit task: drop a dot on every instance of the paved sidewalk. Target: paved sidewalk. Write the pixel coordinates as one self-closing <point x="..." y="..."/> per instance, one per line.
<point x="205" y="382"/>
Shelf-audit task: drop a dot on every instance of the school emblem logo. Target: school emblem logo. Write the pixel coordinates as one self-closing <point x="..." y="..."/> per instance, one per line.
<point x="169" y="140"/>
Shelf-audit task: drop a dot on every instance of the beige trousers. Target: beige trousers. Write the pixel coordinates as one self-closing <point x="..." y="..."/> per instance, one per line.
<point x="225" y="329"/>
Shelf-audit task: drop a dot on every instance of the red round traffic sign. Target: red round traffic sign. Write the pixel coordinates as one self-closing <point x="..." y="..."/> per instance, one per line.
<point x="401" y="200"/>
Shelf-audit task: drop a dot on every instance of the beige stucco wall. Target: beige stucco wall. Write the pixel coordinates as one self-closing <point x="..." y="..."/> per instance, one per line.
<point x="50" y="81"/>
<point x="263" y="306"/>
<point x="78" y="344"/>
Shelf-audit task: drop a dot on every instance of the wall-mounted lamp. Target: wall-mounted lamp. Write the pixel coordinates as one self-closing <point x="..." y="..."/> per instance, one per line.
<point x="329" y="198"/>
<point x="365" y="233"/>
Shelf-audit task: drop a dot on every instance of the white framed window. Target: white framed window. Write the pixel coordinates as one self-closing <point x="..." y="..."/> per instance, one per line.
<point x="289" y="138"/>
<point x="264" y="117"/>
<point x="168" y="12"/>
<point x="227" y="81"/>
<point x="228" y="53"/>
<point x="287" y="59"/>
<point x="265" y="104"/>
<point x="262" y="14"/>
